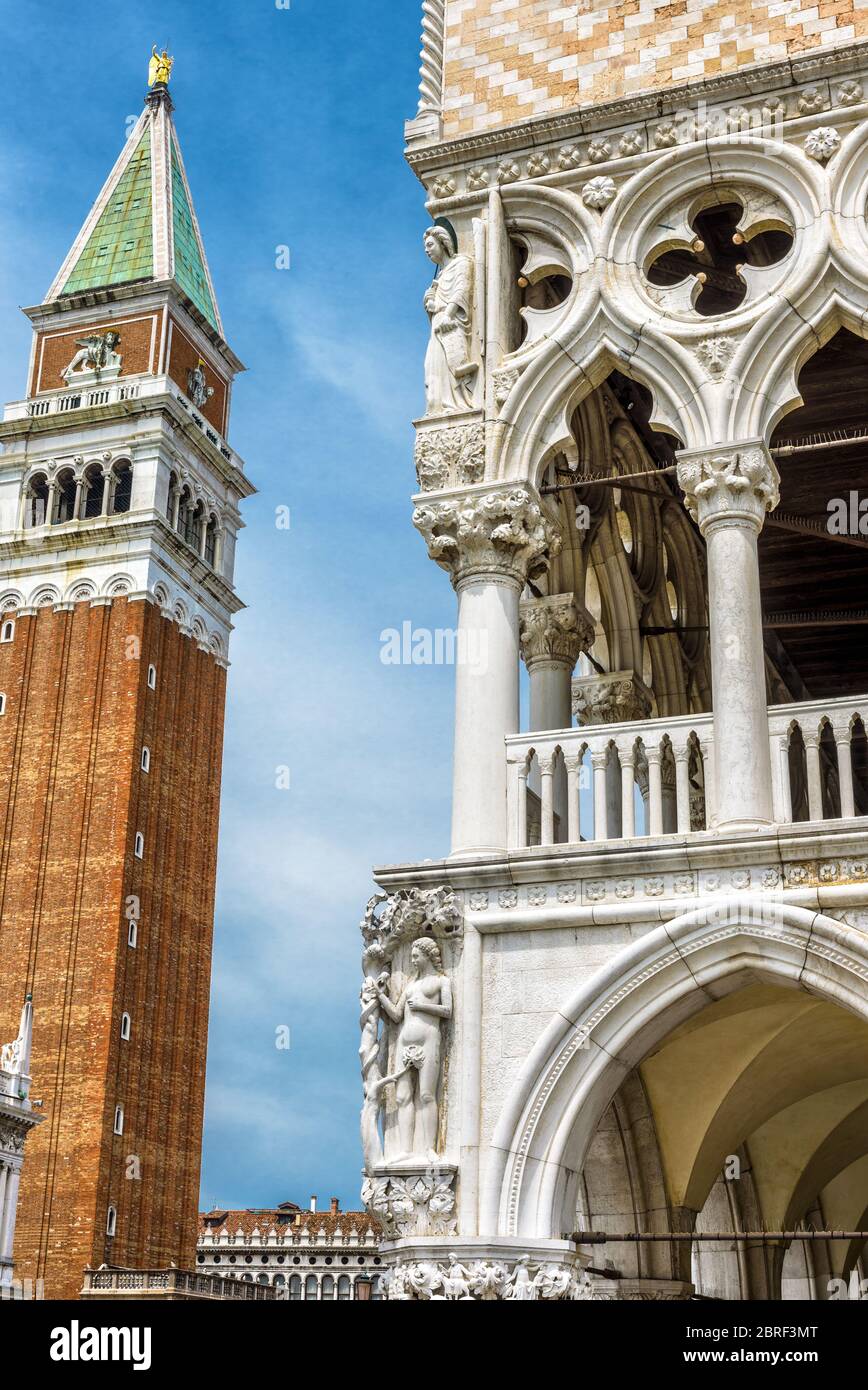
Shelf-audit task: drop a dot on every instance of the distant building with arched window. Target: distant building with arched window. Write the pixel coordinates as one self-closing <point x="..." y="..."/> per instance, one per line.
<point x="304" y="1255"/>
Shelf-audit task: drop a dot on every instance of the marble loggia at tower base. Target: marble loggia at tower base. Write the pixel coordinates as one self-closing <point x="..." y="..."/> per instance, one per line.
<point x="18" y="1119"/>
<point x="629" y="1007"/>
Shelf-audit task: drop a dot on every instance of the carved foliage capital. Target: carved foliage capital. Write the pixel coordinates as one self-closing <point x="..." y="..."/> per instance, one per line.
<point x="13" y="1133"/>
<point x="612" y="698"/>
<point x="556" y="628"/>
<point x="739" y="484"/>
<point x="391" y="920"/>
<point x="501" y="531"/>
<point x="450" y="456"/>
<point x="408" y="1204"/>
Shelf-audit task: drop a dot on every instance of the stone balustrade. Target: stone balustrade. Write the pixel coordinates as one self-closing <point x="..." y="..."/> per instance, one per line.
<point x="652" y="777"/>
<point x="88" y="397"/>
<point x="666" y="759"/>
<point x="170" y="1284"/>
<point x="819" y="755"/>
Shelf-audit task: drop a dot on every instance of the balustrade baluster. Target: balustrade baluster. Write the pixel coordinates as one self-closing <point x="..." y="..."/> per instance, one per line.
<point x="682" y="789"/>
<point x="845" y="772"/>
<point x="547" y="776"/>
<point x="655" y="791"/>
<point x="574" y="772"/>
<point x="815" y="785"/>
<point x="628" y="805"/>
<point x="598" y="762"/>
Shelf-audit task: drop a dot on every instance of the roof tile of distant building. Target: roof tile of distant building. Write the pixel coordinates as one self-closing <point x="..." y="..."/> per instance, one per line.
<point x="285" y="1218"/>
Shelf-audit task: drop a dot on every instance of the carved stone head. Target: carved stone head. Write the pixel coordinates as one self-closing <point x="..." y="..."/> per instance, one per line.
<point x="426" y="951"/>
<point x="438" y="245"/>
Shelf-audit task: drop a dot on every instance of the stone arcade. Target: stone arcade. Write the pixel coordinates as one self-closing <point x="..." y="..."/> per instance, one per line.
<point x="634" y="998"/>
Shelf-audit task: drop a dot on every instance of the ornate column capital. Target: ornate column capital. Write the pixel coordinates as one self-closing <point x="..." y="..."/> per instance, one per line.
<point x="554" y="629"/>
<point x="613" y="698"/>
<point x="500" y="532"/>
<point x="733" y="483"/>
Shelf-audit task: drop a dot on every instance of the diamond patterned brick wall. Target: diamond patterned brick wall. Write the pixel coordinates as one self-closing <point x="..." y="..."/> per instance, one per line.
<point x="509" y="60"/>
<point x="72" y="797"/>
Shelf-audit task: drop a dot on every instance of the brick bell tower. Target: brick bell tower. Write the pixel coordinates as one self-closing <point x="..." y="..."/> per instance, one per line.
<point x="119" y="499"/>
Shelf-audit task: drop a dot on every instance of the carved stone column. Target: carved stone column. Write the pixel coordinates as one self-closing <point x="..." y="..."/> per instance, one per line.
<point x="490" y="540"/>
<point x="554" y="631"/>
<point x="728" y="492"/>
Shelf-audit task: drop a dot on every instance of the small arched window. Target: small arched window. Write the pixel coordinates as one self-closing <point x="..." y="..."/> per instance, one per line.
<point x="119" y="1119"/>
<point x="66" y="495"/>
<point x="194" y="533"/>
<point x="185" y="513"/>
<point x="171" y="495"/>
<point x="211" y="541"/>
<point x="36" y="501"/>
<point x="133" y="935"/>
<point x="93" y="490"/>
<point x="111" y="1221"/>
<point x="152" y="677"/>
<point x="146" y="759"/>
<point x="126" y="1027"/>
<point x="122" y="491"/>
<point x="2" y="703"/>
<point x="140" y="845"/>
<point x="7" y="631"/>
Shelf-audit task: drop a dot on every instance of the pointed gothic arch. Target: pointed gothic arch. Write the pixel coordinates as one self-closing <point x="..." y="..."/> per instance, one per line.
<point x="611" y="1023"/>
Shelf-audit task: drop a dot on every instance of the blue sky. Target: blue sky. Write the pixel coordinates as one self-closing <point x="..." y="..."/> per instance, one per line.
<point x="291" y="124"/>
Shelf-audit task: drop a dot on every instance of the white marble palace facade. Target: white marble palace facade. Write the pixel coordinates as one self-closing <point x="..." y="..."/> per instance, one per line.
<point x="633" y="999"/>
<point x="304" y="1256"/>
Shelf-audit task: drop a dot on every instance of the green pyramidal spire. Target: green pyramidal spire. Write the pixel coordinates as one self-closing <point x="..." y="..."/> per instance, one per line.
<point x="190" y="271"/>
<point x="121" y="246"/>
<point x="143" y="226"/>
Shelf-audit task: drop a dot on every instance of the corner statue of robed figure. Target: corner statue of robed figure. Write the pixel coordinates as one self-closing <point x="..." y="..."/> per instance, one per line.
<point x="449" y="304"/>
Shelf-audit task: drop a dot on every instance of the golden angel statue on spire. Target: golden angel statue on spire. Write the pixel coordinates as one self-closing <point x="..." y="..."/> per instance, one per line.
<point x="160" y="68"/>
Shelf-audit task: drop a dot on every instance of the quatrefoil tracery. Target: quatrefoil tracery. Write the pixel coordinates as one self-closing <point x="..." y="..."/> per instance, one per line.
<point x="723" y="250"/>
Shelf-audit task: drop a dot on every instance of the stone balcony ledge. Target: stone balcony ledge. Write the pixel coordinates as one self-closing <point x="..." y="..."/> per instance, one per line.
<point x="820" y="866"/>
